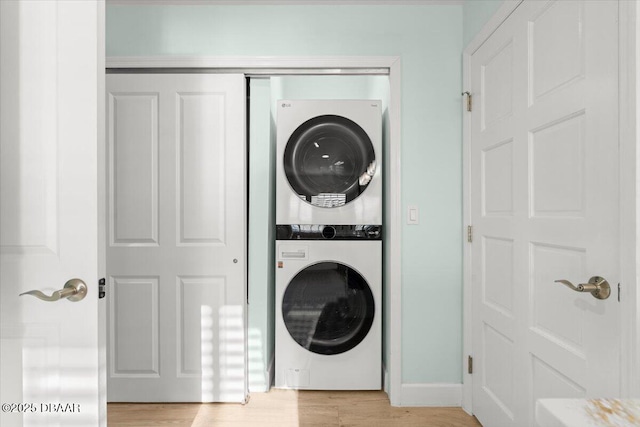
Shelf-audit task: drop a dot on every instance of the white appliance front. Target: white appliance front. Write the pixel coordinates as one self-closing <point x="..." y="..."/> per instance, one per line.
<point x="328" y="315"/>
<point x="328" y="164"/>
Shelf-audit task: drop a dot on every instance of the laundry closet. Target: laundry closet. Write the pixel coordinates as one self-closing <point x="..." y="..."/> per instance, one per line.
<point x="195" y="308"/>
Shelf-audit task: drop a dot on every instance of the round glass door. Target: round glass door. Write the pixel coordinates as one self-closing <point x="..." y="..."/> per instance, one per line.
<point x="329" y="161"/>
<point x="328" y="308"/>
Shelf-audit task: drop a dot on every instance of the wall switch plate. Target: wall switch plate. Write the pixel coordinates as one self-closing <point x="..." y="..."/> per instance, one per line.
<point x="413" y="215"/>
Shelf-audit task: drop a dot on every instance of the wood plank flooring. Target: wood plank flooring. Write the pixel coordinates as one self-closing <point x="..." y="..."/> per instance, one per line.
<point x="289" y="408"/>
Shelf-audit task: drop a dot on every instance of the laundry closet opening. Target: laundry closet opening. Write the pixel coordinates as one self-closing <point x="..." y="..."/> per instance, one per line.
<point x="164" y="343"/>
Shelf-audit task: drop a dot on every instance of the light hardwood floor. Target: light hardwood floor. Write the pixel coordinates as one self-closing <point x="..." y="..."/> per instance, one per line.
<point x="288" y="408"/>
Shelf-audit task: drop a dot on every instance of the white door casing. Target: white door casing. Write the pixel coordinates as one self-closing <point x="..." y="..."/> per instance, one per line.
<point x="544" y="206"/>
<point x="176" y="246"/>
<point x="49" y="129"/>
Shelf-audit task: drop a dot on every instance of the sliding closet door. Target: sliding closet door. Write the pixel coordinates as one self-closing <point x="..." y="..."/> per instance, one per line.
<point x="176" y="255"/>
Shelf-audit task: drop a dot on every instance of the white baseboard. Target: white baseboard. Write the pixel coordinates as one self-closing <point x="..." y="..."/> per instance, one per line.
<point x="431" y="395"/>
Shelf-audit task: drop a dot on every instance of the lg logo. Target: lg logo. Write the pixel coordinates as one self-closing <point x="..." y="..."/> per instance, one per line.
<point x="284" y="105"/>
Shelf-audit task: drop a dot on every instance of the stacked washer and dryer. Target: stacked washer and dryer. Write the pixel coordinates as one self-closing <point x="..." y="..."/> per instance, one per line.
<point x="329" y="245"/>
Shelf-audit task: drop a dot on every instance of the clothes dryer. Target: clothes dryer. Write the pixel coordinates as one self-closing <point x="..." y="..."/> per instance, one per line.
<point x="328" y="164"/>
<point x="329" y="310"/>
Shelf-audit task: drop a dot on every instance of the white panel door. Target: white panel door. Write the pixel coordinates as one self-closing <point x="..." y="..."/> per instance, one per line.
<point x="544" y="165"/>
<point x="176" y="256"/>
<point x="49" y="79"/>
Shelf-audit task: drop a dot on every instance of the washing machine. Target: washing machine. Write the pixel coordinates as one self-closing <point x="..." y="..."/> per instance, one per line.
<point x="329" y="308"/>
<point x="328" y="164"/>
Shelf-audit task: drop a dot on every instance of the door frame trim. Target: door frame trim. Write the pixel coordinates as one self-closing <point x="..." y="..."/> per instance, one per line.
<point x="628" y="200"/>
<point x="337" y="65"/>
<point x="101" y="203"/>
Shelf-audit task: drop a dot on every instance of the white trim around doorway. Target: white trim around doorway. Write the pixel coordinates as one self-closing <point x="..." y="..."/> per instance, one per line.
<point x="629" y="197"/>
<point x="392" y="209"/>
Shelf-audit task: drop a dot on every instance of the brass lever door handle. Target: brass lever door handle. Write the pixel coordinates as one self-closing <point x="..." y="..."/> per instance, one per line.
<point x="74" y="290"/>
<point x="597" y="286"/>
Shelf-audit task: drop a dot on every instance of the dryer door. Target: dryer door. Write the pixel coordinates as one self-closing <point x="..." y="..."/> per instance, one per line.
<point x="329" y="160"/>
<point x="328" y="308"/>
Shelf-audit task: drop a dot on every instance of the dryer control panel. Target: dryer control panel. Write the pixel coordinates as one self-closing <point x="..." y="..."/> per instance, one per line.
<point x="328" y="232"/>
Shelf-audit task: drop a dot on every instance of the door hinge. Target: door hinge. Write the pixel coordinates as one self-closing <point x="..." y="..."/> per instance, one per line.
<point x="469" y="100"/>
<point x="102" y="288"/>
<point x="470" y="365"/>
<point x="469" y="233"/>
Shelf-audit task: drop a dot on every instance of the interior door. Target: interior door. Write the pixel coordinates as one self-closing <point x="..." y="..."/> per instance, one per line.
<point x="544" y="168"/>
<point x="49" y="79"/>
<point x="176" y="246"/>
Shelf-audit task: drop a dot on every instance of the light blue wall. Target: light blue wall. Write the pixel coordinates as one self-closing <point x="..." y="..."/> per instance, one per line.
<point x="261" y="234"/>
<point x="476" y="13"/>
<point x="429" y="41"/>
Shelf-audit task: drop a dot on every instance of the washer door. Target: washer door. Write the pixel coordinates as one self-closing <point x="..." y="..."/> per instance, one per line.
<point x="329" y="161"/>
<point x="328" y="308"/>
